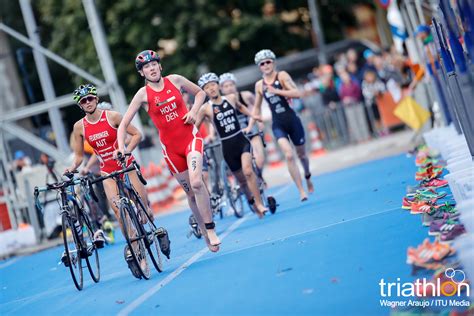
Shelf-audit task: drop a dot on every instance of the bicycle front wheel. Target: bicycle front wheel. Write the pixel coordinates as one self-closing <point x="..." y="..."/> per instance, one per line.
<point x="132" y="233"/>
<point x="92" y="258"/>
<point x="72" y="250"/>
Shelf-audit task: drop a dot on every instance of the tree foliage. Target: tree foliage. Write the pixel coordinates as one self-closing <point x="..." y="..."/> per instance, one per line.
<point x="206" y="34"/>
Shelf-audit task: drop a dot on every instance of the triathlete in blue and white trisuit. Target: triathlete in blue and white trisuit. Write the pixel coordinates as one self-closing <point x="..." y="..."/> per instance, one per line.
<point x="277" y="88"/>
<point x="236" y="148"/>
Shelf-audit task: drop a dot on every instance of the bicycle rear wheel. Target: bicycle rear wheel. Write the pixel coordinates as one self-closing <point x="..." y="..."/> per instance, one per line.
<point x="72" y="249"/>
<point x="92" y="258"/>
<point x="151" y="243"/>
<point x="134" y="240"/>
<point x="232" y="191"/>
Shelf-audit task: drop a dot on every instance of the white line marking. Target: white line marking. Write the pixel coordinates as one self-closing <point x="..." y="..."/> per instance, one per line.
<point x="141" y="299"/>
<point x="9" y="263"/>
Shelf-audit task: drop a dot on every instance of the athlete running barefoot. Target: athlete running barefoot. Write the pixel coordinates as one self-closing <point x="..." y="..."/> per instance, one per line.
<point x="180" y="140"/>
<point x="99" y="128"/>
<point x="235" y="146"/>
<point x="277" y="88"/>
<point x="228" y="85"/>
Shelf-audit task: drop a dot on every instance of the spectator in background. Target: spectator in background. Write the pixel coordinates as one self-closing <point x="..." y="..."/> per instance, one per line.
<point x="350" y="94"/>
<point x="328" y="91"/>
<point x="369" y="57"/>
<point x="354" y="58"/>
<point x="353" y="70"/>
<point x="335" y="114"/>
<point x="371" y="88"/>
<point x="385" y="71"/>
<point x="349" y="91"/>
<point x="21" y="161"/>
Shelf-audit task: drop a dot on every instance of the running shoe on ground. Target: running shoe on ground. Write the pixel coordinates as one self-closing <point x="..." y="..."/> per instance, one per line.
<point x="452" y="232"/>
<point x="421" y="207"/>
<point x="434" y="183"/>
<point x="428" y="252"/>
<point x="441" y="226"/>
<point x="438" y="216"/>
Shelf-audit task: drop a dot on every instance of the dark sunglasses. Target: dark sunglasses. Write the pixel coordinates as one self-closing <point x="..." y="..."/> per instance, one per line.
<point x="87" y="99"/>
<point x="265" y="63"/>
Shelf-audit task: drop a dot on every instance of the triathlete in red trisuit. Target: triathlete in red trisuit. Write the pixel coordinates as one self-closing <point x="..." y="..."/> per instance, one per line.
<point x="180" y="140"/>
<point x="99" y="128"/>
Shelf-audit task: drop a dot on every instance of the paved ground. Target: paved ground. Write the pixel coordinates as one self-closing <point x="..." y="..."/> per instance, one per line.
<point x="322" y="257"/>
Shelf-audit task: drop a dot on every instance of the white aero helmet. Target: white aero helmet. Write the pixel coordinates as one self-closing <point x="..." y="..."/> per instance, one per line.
<point x="206" y="78"/>
<point x="227" y="77"/>
<point x="104" y="106"/>
<point x="264" y="54"/>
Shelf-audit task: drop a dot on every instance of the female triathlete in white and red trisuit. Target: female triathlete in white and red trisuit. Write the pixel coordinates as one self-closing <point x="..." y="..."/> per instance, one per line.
<point x="99" y="129"/>
<point x="181" y="142"/>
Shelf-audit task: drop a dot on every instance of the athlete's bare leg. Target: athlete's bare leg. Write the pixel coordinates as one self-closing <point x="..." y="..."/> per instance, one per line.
<point x="287" y="149"/>
<point x="138" y="185"/>
<point x="111" y="192"/>
<point x="201" y="193"/>
<point x="301" y="152"/>
<point x="251" y="180"/>
<point x="183" y="180"/>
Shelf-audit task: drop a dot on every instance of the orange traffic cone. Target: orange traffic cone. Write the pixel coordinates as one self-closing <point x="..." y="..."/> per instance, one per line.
<point x="315" y="139"/>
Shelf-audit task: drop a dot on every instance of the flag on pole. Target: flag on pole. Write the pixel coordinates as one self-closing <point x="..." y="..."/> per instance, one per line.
<point x="411" y="113"/>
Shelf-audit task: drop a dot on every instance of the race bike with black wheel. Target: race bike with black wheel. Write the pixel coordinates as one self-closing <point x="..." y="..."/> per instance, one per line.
<point x="269" y="201"/>
<point x="225" y="190"/>
<point x="77" y="229"/>
<point x="142" y="239"/>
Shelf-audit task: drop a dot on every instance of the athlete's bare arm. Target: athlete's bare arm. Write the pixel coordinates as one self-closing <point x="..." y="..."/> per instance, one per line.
<point x="78" y="146"/>
<point x="232" y="98"/>
<point x="202" y="115"/>
<point x="249" y="98"/>
<point x="289" y="87"/>
<point x="257" y="104"/>
<point x="135" y="135"/>
<point x="192" y="88"/>
<point x="139" y="100"/>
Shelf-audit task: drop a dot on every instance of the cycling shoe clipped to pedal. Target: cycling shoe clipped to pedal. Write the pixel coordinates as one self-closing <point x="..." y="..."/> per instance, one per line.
<point x="164" y="241"/>
<point x="99" y="239"/>
<point x="131" y="263"/>
<point x="65" y="259"/>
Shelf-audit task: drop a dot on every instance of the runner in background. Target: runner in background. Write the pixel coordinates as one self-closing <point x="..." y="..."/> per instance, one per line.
<point x="278" y="88"/>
